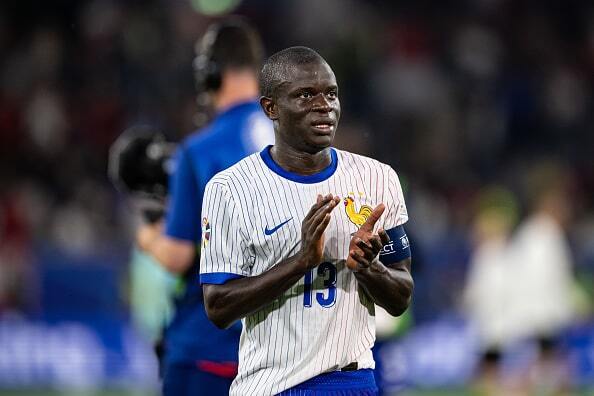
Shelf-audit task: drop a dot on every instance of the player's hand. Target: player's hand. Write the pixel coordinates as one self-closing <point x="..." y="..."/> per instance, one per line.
<point x="312" y="230"/>
<point x="365" y="246"/>
<point x="147" y="233"/>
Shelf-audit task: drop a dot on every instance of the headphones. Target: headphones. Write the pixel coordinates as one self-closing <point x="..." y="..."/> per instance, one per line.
<point x="206" y="70"/>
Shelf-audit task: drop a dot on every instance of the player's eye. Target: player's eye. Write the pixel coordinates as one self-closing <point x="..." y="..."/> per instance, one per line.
<point x="332" y="95"/>
<point x="305" y="95"/>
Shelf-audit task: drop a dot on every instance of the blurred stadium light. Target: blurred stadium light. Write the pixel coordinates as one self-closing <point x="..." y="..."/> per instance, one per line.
<point x="214" y="7"/>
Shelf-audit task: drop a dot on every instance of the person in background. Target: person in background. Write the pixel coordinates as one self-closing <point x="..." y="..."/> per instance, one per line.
<point x="200" y="359"/>
<point x="487" y="294"/>
<point x="545" y="302"/>
<point x="521" y="288"/>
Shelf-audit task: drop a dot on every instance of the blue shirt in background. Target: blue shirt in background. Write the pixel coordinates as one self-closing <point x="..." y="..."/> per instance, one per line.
<point x="234" y="134"/>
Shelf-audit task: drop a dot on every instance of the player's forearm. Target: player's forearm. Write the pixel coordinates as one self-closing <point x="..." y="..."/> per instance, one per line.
<point x="390" y="288"/>
<point x="238" y="298"/>
<point x="175" y="256"/>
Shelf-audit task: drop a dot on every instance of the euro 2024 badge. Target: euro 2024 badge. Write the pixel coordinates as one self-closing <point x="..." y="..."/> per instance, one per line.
<point x="205" y="232"/>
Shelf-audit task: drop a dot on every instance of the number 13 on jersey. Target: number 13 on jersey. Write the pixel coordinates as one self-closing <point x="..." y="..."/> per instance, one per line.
<point x="326" y="297"/>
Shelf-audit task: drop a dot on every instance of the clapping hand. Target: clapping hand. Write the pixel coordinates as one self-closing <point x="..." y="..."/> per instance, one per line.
<point x="365" y="246"/>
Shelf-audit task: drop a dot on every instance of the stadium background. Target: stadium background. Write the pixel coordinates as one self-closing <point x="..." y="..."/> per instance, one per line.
<point x="462" y="98"/>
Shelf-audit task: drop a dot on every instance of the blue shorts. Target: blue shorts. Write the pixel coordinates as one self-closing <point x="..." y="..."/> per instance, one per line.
<point x="337" y="383"/>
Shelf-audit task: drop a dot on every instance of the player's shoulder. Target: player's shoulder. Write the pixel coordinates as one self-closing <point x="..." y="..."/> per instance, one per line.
<point x="353" y="161"/>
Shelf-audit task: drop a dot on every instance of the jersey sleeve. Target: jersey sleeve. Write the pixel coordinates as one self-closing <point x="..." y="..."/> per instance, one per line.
<point x="183" y="207"/>
<point x="224" y="254"/>
<point x="397" y="214"/>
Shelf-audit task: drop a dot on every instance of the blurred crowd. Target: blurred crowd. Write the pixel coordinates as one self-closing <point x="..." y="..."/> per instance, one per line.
<point x="484" y="107"/>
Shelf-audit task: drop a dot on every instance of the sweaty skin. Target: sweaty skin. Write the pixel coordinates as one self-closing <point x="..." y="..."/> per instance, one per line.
<point x="305" y="111"/>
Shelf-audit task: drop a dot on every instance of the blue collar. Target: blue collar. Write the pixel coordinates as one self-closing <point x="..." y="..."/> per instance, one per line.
<point x="306" y="179"/>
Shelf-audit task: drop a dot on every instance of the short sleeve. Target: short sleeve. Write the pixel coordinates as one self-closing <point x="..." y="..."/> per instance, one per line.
<point x="183" y="208"/>
<point x="396" y="207"/>
<point x="223" y="250"/>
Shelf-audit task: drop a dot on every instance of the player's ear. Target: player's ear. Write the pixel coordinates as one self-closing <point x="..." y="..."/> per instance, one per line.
<point x="269" y="107"/>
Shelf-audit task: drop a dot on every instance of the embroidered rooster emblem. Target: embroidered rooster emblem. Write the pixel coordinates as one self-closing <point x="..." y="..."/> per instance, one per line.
<point x="356" y="217"/>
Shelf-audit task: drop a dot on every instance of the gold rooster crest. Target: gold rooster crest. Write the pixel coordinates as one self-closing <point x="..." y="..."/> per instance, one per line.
<point x="356" y="217"/>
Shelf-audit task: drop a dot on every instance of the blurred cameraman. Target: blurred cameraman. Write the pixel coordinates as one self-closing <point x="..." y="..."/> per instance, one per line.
<point x="200" y="359"/>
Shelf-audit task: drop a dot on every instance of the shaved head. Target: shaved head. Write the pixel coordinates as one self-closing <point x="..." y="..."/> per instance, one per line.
<point x="276" y="68"/>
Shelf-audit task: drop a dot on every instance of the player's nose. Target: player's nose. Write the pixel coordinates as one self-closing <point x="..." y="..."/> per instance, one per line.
<point x="321" y="104"/>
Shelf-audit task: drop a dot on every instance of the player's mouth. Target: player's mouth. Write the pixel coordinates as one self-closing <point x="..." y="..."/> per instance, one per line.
<point x="324" y="127"/>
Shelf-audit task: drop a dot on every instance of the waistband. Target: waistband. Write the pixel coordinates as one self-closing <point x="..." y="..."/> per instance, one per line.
<point x="337" y="383"/>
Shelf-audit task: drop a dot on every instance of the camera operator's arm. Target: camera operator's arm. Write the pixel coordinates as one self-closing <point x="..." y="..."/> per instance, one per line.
<point x="173" y="242"/>
<point x="175" y="255"/>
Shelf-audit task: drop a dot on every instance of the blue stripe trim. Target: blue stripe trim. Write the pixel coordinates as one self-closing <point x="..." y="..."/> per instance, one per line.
<point x="305" y="179"/>
<point x="358" y="382"/>
<point x="218" y="278"/>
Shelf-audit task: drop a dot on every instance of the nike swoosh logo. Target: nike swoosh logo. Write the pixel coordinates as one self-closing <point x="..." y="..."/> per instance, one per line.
<point x="274" y="229"/>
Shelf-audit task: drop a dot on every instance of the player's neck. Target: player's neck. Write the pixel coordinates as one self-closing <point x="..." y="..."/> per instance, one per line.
<point x="300" y="162"/>
<point x="236" y="87"/>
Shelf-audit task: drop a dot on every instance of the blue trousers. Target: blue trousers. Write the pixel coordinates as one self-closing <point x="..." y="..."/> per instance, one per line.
<point x="188" y="380"/>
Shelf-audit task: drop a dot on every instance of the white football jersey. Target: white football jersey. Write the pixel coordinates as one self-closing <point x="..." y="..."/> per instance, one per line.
<point x="252" y="215"/>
